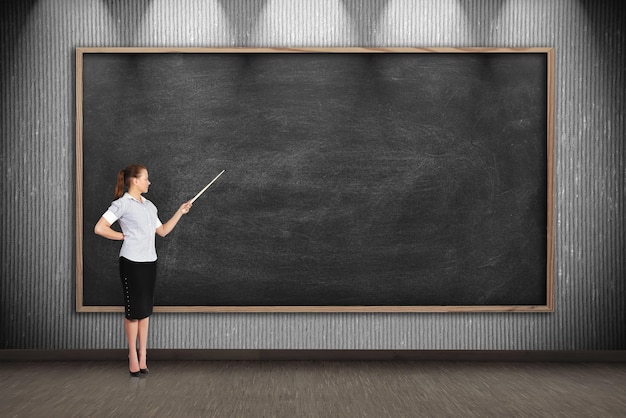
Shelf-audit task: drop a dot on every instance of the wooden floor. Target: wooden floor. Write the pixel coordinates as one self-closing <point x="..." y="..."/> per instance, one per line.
<point x="313" y="389"/>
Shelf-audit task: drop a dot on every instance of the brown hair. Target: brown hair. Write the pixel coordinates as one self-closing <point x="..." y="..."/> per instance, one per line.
<point x="124" y="176"/>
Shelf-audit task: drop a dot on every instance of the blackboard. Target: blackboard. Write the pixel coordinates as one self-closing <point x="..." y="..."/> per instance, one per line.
<point x="356" y="179"/>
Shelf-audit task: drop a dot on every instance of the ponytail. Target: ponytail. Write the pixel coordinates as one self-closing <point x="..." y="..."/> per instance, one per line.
<point x="119" y="185"/>
<point x="124" y="176"/>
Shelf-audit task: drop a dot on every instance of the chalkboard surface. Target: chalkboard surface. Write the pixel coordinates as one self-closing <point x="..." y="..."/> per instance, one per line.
<point x="352" y="179"/>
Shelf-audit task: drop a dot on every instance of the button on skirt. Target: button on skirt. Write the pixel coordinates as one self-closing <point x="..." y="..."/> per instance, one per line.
<point x="138" y="279"/>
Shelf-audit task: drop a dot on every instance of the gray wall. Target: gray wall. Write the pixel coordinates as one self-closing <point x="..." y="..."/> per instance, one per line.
<point x="37" y="163"/>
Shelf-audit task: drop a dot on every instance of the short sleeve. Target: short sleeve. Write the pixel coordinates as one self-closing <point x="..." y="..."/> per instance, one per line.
<point x="114" y="212"/>
<point x="158" y="222"/>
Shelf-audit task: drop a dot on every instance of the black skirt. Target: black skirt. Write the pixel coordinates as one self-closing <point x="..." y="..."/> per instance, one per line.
<point x="138" y="280"/>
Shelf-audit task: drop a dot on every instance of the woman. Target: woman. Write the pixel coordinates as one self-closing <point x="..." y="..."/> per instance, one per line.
<point x="139" y="222"/>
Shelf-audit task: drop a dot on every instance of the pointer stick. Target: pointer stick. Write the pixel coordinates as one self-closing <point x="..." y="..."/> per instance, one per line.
<point x="206" y="187"/>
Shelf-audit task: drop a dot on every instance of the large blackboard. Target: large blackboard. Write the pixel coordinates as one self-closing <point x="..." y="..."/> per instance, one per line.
<point x="355" y="179"/>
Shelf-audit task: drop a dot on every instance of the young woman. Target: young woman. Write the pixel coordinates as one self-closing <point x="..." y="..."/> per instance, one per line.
<point x="139" y="223"/>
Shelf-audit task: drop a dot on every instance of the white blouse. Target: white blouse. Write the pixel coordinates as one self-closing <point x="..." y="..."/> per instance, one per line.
<point x="139" y="221"/>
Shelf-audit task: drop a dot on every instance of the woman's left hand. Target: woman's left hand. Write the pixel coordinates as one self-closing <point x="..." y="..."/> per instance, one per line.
<point x="184" y="208"/>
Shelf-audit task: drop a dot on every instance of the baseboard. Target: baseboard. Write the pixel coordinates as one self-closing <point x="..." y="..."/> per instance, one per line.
<point x="604" y="356"/>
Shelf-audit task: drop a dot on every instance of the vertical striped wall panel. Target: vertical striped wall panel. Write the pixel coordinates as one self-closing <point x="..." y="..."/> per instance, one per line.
<point x="37" y="162"/>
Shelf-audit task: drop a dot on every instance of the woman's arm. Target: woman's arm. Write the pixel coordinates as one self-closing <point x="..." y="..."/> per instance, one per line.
<point x="168" y="226"/>
<point x="103" y="228"/>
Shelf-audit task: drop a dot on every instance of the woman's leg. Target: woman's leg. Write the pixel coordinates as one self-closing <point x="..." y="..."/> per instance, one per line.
<point x="132" y="328"/>
<point x="143" y="340"/>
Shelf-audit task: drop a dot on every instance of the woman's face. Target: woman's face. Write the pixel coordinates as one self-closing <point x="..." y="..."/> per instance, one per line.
<point x="142" y="182"/>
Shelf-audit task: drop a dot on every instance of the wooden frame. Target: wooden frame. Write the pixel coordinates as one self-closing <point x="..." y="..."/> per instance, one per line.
<point x="547" y="307"/>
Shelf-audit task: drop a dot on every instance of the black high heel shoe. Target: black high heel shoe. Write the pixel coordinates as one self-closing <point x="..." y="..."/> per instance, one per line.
<point x="133" y="374"/>
<point x="143" y="371"/>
